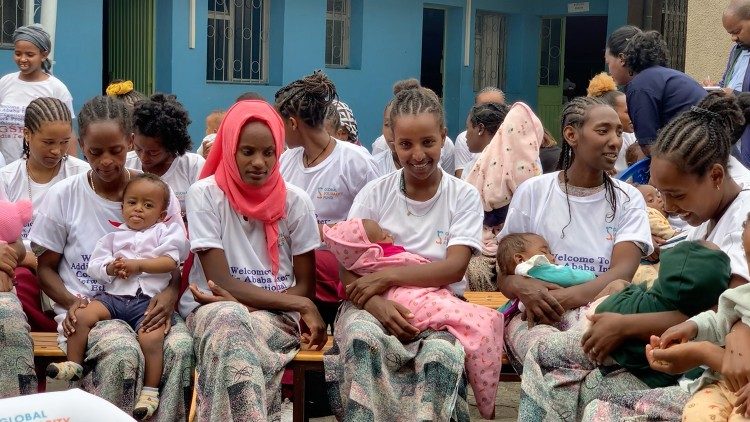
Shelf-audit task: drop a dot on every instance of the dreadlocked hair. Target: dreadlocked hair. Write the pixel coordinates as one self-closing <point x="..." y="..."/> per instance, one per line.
<point x="163" y="117"/>
<point x="703" y="135"/>
<point x="574" y="114"/>
<point x="307" y="98"/>
<point x="44" y="110"/>
<point x="102" y="108"/>
<point x="416" y="101"/>
<point x="490" y="115"/>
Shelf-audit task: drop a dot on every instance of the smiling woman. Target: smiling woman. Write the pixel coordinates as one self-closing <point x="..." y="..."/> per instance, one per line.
<point x="31" y="48"/>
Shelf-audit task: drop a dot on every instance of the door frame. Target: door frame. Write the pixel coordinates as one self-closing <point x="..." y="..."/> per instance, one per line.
<point x="445" y="42"/>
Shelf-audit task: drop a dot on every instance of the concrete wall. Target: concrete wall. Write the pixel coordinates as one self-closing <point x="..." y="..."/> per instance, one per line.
<point x="707" y="45"/>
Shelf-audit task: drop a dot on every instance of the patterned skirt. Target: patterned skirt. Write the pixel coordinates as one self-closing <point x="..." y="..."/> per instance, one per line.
<point x="17" y="374"/>
<point x="372" y="376"/>
<point x="241" y="357"/>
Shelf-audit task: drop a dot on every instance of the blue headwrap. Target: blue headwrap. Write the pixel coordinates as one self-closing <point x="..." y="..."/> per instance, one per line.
<point x="36" y="35"/>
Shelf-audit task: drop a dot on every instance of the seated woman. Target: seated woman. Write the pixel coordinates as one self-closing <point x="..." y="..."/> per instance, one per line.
<point x="75" y="213"/>
<point x="430" y="213"/>
<point x="255" y="238"/>
<point x="688" y="167"/>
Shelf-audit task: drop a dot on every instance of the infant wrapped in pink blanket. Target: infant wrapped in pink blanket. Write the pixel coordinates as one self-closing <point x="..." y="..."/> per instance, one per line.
<point x="363" y="247"/>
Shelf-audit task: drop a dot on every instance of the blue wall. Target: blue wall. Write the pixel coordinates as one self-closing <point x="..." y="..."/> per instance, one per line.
<point x="385" y="49"/>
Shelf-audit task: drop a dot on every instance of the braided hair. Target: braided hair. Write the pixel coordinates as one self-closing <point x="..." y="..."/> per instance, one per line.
<point x="574" y="114"/>
<point x="490" y="115"/>
<point x="102" y="108"/>
<point x="307" y="98"/>
<point x="703" y="136"/>
<point x="416" y="101"/>
<point x="163" y="117"/>
<point x="44" y="110"/>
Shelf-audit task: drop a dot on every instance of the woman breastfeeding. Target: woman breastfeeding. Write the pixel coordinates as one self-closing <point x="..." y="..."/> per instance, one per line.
<point x="255" y="238"/>
<point x="590" y="221"/>
<point x="74" y="215"/>
<point x="381" y="367"/>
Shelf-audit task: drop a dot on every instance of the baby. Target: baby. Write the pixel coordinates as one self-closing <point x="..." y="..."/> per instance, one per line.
<point x="363" y="247"/>
<point x="529" y="255"/>
<point x="657" y="216"/>
<point x="634" y="154"/>
<point x="692" y="276"/>
<point x="134" y="263"/>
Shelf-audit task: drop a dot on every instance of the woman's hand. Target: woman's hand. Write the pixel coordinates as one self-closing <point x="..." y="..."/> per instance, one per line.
<point x="8" y="259"/>
<point x="678" y="334"/>
<point x="657" y="242"/>
<point x="314" y="329"/>
<point x="743" y="401"/>
<point x="361" y="290"/>
<point x="393" y="316"/>
<point x="29" y="261"/>
<point x="69" y="323"/>
<point x="735" y="367"/>
<point x="218" y="294"/>
<point x="604" y="336"/>
<point x="675" y="360"/>
<point x="541" y="305"/>
<point x="6" y="283"/>
<point x="159" y="311"/>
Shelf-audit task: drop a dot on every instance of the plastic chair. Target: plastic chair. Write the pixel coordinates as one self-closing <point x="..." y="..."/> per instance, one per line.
<point x="639" y="172"/>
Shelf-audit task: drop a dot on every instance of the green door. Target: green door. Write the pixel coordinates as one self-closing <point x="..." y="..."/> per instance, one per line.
<point x="131" y="27"/>
<point x="551" y="65"/>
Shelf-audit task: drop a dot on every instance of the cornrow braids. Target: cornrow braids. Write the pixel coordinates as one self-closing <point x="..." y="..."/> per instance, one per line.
<point x="417" y="101"/>
<point x="703" y="135"/>
<point x="307" y="98"/>
<point x="403" y="85"/>
<point x="44" y="110"/>
<point x="491" y="115"/>
<point x="575" y="114"/>
<point x="163" y="117"/>
<point x="102" y="108"/>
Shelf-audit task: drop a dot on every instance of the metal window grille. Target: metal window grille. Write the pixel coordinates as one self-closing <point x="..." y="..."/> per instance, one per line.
<point x="338" y="19"/>
<point x="674" y="29"/>
<point x="550" y="53"/>
<point x="12" y="16"/>
<point x="237" y="41"/>
<point x="490" y="36"/>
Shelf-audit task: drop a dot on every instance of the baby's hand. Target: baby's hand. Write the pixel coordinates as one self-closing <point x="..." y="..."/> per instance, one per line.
<point x="124" y="268"/>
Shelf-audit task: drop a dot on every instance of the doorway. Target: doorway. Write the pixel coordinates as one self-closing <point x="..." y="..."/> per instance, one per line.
<point x="129" y="43"/>
<point x="433" y="50"/>
<point x="571" y="52"/>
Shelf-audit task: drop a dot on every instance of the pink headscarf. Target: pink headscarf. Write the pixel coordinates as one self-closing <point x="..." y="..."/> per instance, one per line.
<point x="266" y="203"/>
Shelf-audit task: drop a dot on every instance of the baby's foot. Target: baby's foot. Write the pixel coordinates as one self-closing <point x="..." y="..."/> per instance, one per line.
<point x="66" y="371"/>
<point x="147" y="404"/>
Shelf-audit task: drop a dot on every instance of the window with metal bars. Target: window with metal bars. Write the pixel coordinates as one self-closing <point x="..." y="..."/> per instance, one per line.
<point x="338" y="22"/>
<point x="237" y="48"/>
<point x="674" y="29"/>
<point x="489" y="50"/>
<point x="12" y="14"/>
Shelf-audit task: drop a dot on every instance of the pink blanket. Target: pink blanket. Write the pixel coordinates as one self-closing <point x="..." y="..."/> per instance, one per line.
<point x="477" y="328"/>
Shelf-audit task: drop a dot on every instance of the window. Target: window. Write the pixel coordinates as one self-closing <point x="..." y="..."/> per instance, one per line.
<point x="12" y="16"/>
<point x="674" y="29"/>
<point x="237" y="48"/>
<point x="338" y="21"/>
<point x="489" y="50"/>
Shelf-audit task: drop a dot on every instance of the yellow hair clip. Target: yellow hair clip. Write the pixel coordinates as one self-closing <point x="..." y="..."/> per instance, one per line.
<point x="119" y="88"/>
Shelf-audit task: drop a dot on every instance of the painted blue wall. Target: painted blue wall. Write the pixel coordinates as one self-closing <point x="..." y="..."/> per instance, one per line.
<point x="386" y="47"/>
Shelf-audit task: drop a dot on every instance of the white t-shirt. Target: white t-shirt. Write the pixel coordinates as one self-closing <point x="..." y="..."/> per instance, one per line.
<point x="452" y="217"/>
<point x="70" y="221"/>
<point x="183" y="172"/>
<point x="462" y="155"/>
<point x="69" y="405"/>
<point x="446" y="153"/>
<point x="384" y="162"/>
<point x="157" y="241"/>
<point x="15" y="184"/>
<point x="590" y="233"/>
<point x="15" y="95"/>
<point x="628" y="139"/>
<point x="213" y="223"/>
<point x="333" y="183"/>
<point x="727" y="234"/>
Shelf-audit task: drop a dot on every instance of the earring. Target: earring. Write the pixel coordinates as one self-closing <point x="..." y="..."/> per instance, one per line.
<point x="717" y="187"/>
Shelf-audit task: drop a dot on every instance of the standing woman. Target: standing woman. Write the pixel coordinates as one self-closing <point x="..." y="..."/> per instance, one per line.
<point x="48" y="130"/>
<point x="161" y="144"/>
<point x="255" y="237"/>
<point x="370" y="373"/>
<point x="330" y="171"/>
<point x="74" y="215"/>
<point x="655" y="93"/>
<point x="32" y="45"/>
